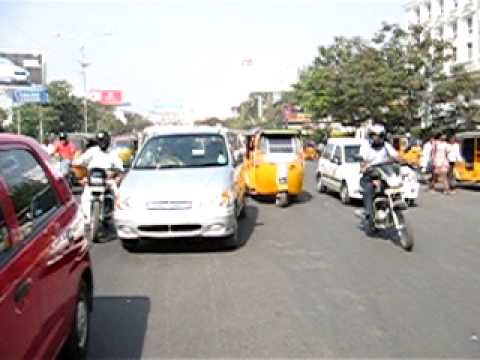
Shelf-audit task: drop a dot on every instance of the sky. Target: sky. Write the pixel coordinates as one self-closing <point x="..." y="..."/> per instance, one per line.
<point x="186" y="52"/>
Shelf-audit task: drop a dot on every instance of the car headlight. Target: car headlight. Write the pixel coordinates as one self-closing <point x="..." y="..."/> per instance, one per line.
<point x="227" y="198"/>
<point x="122" y="203"/>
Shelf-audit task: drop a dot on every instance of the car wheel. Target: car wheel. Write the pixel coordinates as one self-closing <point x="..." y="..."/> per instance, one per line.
<point x="320" y="187"/>
<point x="243" y="211"/>
<point x="233" y="241"/>
<point x="131" y="245"/>
<point x="344" y="195"/>
<point x="77" y="343"/>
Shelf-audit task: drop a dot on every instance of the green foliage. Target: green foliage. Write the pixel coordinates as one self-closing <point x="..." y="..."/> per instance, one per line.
<point x="397" y="77"/>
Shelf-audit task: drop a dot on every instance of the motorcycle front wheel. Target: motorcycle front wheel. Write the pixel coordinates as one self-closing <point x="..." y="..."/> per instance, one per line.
<point x="404" y="233"/>
<point x="94" y="222"/>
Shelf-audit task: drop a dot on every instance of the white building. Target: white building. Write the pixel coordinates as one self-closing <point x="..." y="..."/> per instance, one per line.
<point x="457" y="21"/>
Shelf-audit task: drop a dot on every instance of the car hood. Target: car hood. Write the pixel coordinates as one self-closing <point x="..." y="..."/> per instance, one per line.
<point x="176" y="184"/>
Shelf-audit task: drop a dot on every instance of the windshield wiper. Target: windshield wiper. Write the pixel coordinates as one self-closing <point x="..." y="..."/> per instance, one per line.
<point x="168" y="166"/>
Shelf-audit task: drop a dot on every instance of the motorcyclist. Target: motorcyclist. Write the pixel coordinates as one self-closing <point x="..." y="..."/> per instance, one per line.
<point x="64" y="148"/>
<point x="99" y="156"/>
<point x="375" y="151"/>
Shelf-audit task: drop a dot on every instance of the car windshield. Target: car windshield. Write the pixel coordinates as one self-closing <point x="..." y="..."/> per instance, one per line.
<point x="351" y="153"/>
<point x="183" y="151"/>
<point x="4" y="61"/>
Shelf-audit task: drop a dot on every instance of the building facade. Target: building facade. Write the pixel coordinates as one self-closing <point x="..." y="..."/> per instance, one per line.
<point x="457" y="21"/>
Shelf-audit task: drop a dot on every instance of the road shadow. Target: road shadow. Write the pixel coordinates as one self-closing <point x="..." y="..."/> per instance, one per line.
<point x="198" y="245"/>
<point x="303" y="198"/>
<point x="119" y="326"/>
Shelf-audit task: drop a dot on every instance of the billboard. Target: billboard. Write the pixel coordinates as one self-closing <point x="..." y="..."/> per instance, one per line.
<point x="22" y="67"/>
<point x="107" y="97"/>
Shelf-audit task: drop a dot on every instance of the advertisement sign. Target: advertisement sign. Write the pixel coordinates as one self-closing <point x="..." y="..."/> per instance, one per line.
<point x="108" y="97"/>
<point x="22" y="67"/>
<point x="34" y="94"/>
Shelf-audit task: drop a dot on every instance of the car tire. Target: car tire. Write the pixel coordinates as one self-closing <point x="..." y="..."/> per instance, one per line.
<point x="131" y="245"/>
<point x="233" y="241"/>
<point x="344" y="194"/>
<point x="243" y="211"/>
<point x="76" y="346"/>
<point x="320" y="187"/>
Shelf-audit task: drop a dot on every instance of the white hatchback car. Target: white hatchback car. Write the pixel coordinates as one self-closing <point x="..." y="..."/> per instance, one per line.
<point x="339" y="170"/>
<point x="184" y="182"/>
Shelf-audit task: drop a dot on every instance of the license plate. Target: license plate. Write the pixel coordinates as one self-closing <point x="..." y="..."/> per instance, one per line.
<point x="169" y="205"/>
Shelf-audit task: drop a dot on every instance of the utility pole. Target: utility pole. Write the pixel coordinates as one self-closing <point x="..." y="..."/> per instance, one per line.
<point x="260" y="108"/>
<point x="19" y="122"/>
<point x="84" y="65"/>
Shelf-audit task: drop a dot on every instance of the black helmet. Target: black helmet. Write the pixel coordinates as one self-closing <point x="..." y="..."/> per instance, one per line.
<point x="62" y="135"/>
<point x="103" y="140"/>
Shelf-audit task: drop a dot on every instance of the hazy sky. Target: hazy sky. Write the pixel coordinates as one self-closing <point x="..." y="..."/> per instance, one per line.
<point x="187" y="51"/>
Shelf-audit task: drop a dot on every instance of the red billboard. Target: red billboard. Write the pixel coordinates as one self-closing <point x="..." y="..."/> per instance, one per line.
<point x="108" y="97"/>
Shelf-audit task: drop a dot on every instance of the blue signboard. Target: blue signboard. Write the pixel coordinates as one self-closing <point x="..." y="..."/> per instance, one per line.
<point x="34" y="94"/>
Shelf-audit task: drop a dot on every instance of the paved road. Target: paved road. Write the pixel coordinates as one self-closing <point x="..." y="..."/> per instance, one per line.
<point x="307" y="283"/>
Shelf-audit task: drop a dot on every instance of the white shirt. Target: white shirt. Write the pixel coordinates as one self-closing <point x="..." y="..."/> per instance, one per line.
<point x="50" y="148"/>
<point x="426" y="154"/>
<point x="373" y="156"/>
<point x="96" y="158"/>
<point x="453" y="153"/>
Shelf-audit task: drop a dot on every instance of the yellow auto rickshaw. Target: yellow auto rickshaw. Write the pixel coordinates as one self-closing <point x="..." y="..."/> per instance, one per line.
<point x="126" y="147"/>
<point x="274" y="165"/>
<point x="409" y="150"/>
<point x="469" y="170"/>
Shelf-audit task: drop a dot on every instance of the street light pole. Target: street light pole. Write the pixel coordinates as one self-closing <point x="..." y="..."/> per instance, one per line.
<point x="84" y="64"/>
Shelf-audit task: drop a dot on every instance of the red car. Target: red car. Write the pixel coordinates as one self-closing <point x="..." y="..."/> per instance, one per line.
<point x="46" y="284"/>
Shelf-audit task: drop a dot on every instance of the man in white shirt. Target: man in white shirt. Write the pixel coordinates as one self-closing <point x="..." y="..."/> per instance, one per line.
<point x="376" y="151"/>
<point x="99" y="157"/>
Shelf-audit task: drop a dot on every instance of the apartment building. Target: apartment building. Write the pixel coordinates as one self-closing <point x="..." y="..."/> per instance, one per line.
<point x="457" y="21"/>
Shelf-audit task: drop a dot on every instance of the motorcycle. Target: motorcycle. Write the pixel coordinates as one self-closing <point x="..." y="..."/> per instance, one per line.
<point x="389" y="204"/>
<point x="101" y="203"/>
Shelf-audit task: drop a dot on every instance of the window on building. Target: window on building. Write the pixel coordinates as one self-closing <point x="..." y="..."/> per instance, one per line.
<point x="470" y="24"/>
<point x="441" y="4"/>
<point x="455" y="3"/>
<point x="470" y="50"/>
<point x="429" y="10"/>
<point x="455" y="29"/>
<point x="454" y="54"/>
<point x="440" y="32"/>
<point x="417" y="11"/>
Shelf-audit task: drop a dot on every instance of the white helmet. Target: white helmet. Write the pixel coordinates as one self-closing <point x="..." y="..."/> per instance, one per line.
<point x="377" y="129"/>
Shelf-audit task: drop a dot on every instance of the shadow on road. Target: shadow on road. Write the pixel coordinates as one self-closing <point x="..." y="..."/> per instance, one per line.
<point x="119" y="325"/>
<point x="183" y="245"/>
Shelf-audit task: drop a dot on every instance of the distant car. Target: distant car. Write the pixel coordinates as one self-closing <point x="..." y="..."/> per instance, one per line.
<point x="11" y="73"/>
<point x="339" y="169"/>
<point x="46" y="282"/>
<point x="183" y="183"/>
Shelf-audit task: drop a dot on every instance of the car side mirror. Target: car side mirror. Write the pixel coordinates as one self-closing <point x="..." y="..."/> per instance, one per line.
<point x="337" y="161"/>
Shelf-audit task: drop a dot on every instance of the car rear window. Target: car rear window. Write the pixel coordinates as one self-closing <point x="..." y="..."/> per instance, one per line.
<point x="32" y="195"/>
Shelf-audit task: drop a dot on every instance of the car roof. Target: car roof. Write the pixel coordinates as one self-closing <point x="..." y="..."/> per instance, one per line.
<point x="183" y="130"/>
<point x="346" y="141"/>
<point x="8" y="138"/>
<point x="468" y="134"/>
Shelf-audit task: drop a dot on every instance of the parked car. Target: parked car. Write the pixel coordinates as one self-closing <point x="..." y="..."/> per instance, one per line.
<point x="339" y="170"/>
<point x="182" y="183"/>
<point x="46" y="282"/>
<point x="11" y="73"/>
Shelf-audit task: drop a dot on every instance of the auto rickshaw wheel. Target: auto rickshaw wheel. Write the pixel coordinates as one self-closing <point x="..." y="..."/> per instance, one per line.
<point x="282" y="199"/>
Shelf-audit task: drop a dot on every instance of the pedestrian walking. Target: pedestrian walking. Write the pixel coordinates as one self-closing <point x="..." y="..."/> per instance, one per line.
<point x="440" y="162"/>
<point x="454" y="157"/>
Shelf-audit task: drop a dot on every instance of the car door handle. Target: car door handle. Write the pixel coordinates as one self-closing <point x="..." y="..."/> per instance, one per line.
<point x="22" y="290"/>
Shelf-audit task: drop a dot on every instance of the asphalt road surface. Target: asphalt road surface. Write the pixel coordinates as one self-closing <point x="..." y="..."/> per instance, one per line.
<point x="306" y="283"/>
